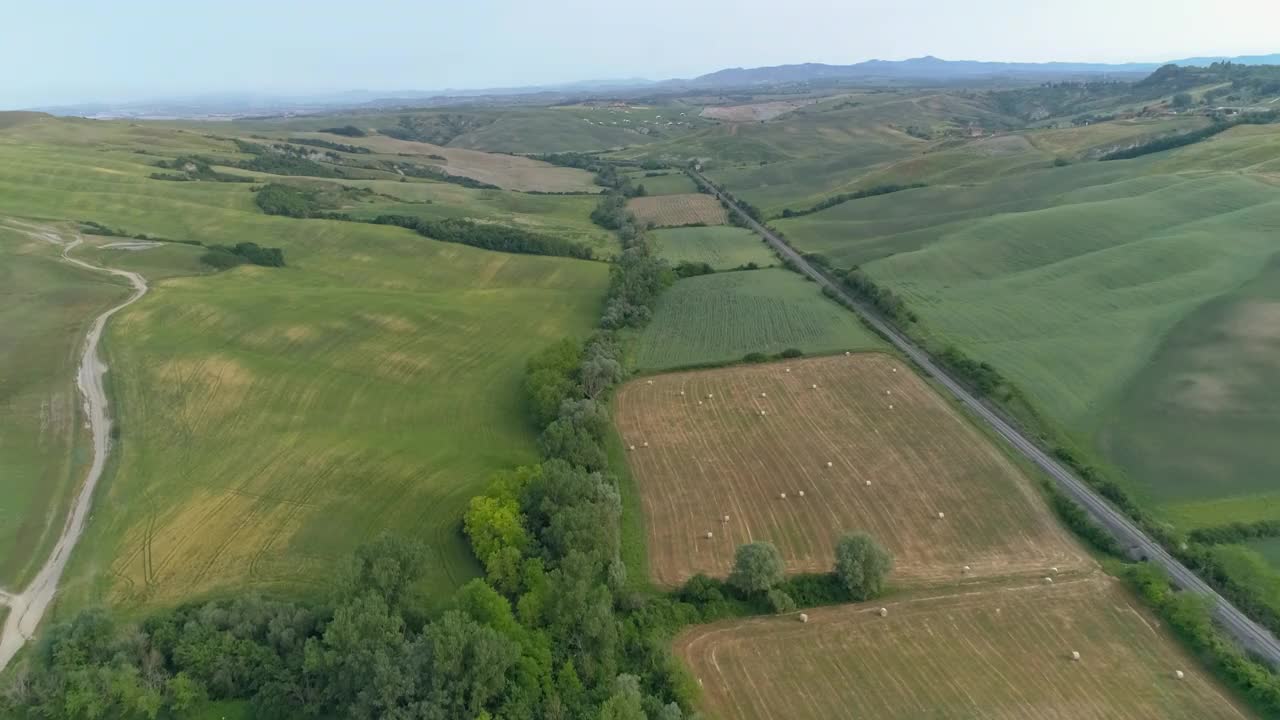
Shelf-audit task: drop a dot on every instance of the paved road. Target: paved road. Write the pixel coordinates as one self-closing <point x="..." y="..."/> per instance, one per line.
<point x="1247" y="632"/>
<point x="26" y="609"/>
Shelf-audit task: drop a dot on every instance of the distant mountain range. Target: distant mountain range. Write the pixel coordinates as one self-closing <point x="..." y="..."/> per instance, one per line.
<point x="922" y="70"/>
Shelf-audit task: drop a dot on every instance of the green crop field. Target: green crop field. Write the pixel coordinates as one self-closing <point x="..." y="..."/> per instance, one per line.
<point x="672" y="183"/>
<point x="273" y="419"/>
<point x="721" y="247"/>
<point x="46" y="307"/>
<point x="722" y="317"/>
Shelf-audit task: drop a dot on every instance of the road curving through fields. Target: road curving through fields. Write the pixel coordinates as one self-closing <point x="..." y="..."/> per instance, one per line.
<point x="27" y="609"/>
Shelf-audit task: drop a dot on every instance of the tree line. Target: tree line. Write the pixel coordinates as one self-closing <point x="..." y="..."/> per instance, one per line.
<point x="488" y="236"/>
<point x="846" y="197"/>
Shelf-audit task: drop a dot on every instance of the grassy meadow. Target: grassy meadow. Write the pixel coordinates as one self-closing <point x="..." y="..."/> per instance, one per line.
<point x="722" y="317"/>
<point x="273" y="419"/>
<point x="722" y="247"/>
<point x="46" y="307"/>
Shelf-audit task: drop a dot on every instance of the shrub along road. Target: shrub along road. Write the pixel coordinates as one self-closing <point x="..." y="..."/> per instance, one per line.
<point x="26" y="609"/>
<point x="1249" y="634"/>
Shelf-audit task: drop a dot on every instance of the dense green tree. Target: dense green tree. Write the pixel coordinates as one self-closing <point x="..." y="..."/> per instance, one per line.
<point x="757" y="567"/>
<point x="862" y="565"/>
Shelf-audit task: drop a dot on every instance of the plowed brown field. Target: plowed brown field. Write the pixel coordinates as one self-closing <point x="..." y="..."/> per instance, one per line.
<point x="1002" y="654"/>
<point x="873" y="420"/>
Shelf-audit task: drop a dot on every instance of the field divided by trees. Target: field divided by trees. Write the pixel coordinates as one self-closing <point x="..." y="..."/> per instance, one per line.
<point x="723" y="317"/>
<point x="678" y="210"/>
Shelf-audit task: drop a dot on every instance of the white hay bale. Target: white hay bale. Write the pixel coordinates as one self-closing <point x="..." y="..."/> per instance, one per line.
<point x="709" y="535"/>
<point x="763" y="395"/>
<point x="804" y="618"/>
<point x="782" y="495"/>
<point x="895" y="369"/>
<point x="1048" y="580"/>
<point x="681" y="393"/>
<point x="965" y="569"/>
<point x="884" y="612"/>
<point x="762" y="412"/>
<point x="890" y="407"/>
<point x="645" y="443"/>
<point x="847" y="353"/>
<point x="888" y="392"/>
<point x="631" y="447"/>
<point x="699" y="402"/>
<point x="941" y="515"/>
<point x="709" y="396"/>
<point x="648" y="382"/>
<point x="1053" y="570"/>
<point x="1179" y="674"/>
<point x="788" y="369"/>
<point x="1075" y="655"/>
<point x="868" y="483"/>
<point x="814" y="386"/>
<point x="725" y="519"/>
<point x="801" y="493"/>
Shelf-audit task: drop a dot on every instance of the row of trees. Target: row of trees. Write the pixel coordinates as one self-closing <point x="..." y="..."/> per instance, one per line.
<point x="222" y="257"/>
<point x="846" y="197"/>
<point x="488" y="236"/>
<point x="861" y="568"/>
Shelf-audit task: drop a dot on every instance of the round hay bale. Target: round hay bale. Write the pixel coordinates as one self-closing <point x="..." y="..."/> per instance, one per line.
<point x="1053" y="570"/>
<point x="847" y="353"/>
<point x="888" y="392"/>
<point x="941" y="515"/>
<point x="868" y="483"/>
<point x="645" y="443"/>
<point x="699" y="402"/>
<point x="1075" y="656"/>
<point x="788" y="369"/>
<point x="895" y="369"/>
<point x="762" y="412"/>
<point x="782" y="495"/>
<point x="725" y="519"/>
<point x="804" y="618"/>
<point x="1179" y="674"/>
<point x="965" y="569"/>
<point x="890" y="407"/>
<point x="801" y="493"/>
<point x="709" y="396"/>
<point x="830" y="464"/>
<point x="884" y="612"/>
<point x="648" y="382"/>
<point x="763" y="395"/>
<point x="814" y="386"/>
<point x="631" y="447"/>
<point x="1048" y="580"/>
<point x="681" y="393"/>
<point x="709" y="535"/>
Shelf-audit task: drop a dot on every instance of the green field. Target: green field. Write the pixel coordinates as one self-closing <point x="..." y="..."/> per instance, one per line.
<point x="673" y="183"/>
<point x="721" y="247"/>
<point x="722" y="317"/>
<point x="273" y="419"/>
<point x="46" y="307"/>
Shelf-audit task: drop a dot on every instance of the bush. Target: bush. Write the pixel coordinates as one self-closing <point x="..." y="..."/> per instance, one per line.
<point x="779" y="601"/>
<point x="346" y="130"/>
<point x="791" y="353"/>
<point x="755" y="357"/>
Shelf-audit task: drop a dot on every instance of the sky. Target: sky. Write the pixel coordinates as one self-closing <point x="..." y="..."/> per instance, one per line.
<point x="64" y="51"/>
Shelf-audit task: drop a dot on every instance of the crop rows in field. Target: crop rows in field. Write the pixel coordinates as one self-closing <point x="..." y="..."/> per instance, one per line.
<point x="678" y="210"/>
<point x="721" y="247"/>
<point x="999" y="654"/>
<point x="733" y="441"/>
<point x="721" y="317"/>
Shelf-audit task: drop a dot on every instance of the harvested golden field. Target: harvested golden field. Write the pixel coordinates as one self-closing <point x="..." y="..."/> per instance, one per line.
<point x="509" y="172"/>
<point x="678" y="210"/>
<point x="754" y="112"/>
<point x="1002" y="654"/>
<point x="872" y="448"/>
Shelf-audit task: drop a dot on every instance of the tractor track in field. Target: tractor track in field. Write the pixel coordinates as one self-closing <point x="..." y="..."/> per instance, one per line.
<point x="1247" y="633"/>
<point x="27" y="609"/>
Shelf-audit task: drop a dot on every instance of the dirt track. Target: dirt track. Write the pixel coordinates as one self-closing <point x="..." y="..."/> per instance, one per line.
<point x="26" y="609"/>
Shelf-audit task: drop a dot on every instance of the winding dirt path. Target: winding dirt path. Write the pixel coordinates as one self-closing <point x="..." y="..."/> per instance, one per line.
<point x="26" y="609"/>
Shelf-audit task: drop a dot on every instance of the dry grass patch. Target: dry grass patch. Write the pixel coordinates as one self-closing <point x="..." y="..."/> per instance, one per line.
<point x="678" y="210"/>
<point x="1004" y="654"/>
<point x="712" y="453"/>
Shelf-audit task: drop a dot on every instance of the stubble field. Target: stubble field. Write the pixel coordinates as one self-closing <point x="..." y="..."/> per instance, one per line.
<point x="678" y="210"/>
<point x="1003" y="655"/>
<point x="712" y="453"/>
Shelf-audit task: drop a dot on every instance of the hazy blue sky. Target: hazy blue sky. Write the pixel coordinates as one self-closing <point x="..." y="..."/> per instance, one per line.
<point x="72" y="50"/>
